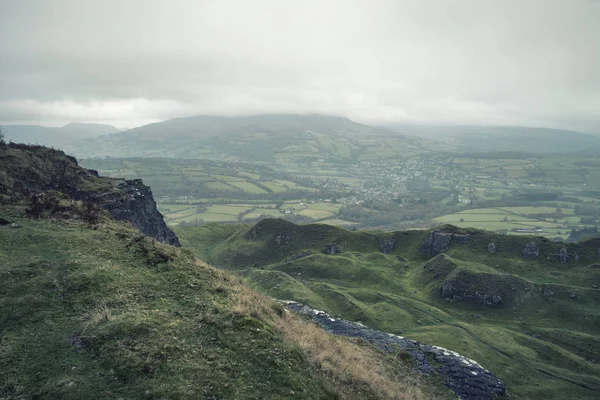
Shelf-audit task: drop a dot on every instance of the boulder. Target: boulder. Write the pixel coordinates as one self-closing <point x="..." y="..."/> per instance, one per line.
<point x="531" y="250"/>
<point x="491" y="248"/>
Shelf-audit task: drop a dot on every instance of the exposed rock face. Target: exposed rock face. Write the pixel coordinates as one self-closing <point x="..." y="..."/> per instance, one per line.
<point x="252" y="234"/>
<point x="531" y="251"/>
<point x="491" y="248"/>
<point x="465" y="377"/>
<point x="31" y="170"/>
<point x="281" y="239"/>
<point x="564" y="256"/>
<point x="134" y="203"/>
<point x="332" y="248"/>
<point x="438" y="242"/>
<point x="456" y="292"/>
<point x="387" y="245"/>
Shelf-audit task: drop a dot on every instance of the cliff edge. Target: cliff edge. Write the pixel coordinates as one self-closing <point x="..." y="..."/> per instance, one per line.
<point x="50" y="181"/>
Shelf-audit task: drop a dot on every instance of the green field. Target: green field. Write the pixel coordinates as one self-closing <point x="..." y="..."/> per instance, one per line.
<point x="411" y="189"/>
<point x="511" y="219"/>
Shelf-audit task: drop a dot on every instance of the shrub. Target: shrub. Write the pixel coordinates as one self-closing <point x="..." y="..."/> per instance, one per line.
<point x="40" y="203"/>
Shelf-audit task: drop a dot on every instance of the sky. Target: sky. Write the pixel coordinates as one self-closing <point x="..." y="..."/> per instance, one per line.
<point x="132" y="62"/>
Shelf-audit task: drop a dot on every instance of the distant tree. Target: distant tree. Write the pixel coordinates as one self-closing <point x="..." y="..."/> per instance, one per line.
<point x="2" y="138"/>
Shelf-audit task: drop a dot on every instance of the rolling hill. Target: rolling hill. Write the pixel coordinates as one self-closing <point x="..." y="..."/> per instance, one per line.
<point x="92" y="308"/>
<point x="472" y="138"/>
<point x="288" y="140"/>
<point x="58" y="137"/>
<point x="524" y="307"/>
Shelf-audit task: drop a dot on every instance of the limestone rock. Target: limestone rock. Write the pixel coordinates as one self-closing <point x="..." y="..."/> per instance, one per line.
<point x="332" y="248"/>
<point x="465" y="377"/>
<point x="135" y="204"/>
<point x="282" y="239"/>
<point x="455" y="291"/>
<point x="491" y="248"/>
<point x="387" y="245"/>
<point x="438" y="242"/>
<point x="564" y="256"/>
<point x="531" y="250"/>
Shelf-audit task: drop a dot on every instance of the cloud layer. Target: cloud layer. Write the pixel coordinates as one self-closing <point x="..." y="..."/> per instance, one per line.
<point x="532" y="62"/>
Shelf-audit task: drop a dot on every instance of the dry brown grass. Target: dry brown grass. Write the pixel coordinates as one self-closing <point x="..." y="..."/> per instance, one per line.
<point x="96" y="316"/>
<point x="356" y="371"/>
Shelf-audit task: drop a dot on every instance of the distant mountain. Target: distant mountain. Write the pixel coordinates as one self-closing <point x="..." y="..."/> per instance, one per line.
<point x="58" y="137"/>
<point x="282" y="138"/>
<point x="504" y="138"/>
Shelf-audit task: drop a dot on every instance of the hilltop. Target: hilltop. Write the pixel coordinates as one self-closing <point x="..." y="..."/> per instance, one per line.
<point x="91" y="307"/>
<point x="522" y="306"/>
<point x="285" y="139"/>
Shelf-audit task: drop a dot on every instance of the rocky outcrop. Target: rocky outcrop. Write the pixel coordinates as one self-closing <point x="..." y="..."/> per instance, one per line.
<point x="438" y="242"/>
<point x="281" y="239"/>
<point x="332" y="248"/>
<point x="387" y="245"/>
<point x="39" y="176"/>
<point x="530" y="251"/>
<point x="134" y="203"/>
<point x="492" y="248"/>
<point x="252" y="234"/>
<point x="547" y="292"/>
<point x="456" y="291"/>
<point x="465" y="377"/>
<point x="564" y="256"/>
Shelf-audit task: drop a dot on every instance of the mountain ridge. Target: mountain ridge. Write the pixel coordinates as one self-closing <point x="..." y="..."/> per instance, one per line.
<point x="488" y="138"/>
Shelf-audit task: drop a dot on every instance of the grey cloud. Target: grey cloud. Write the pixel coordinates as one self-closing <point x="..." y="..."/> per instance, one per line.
<point x="531" y="62"/>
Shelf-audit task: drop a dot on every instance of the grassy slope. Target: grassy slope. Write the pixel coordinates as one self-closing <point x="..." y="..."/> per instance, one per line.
<point x="542" y="346"/>
<point x="100" y="312"/>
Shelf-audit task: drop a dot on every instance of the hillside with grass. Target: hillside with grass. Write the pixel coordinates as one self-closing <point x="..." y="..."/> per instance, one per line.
<point x="278" y="139"/>
<point x="474" y="138"/>
<point x="92" y="308"/>
<point x="522" y="306"/>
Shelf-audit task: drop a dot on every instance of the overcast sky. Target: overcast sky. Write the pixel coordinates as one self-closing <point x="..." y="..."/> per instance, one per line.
<point x="130" y="62"/>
